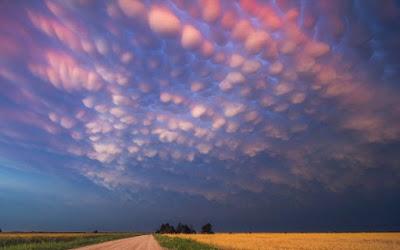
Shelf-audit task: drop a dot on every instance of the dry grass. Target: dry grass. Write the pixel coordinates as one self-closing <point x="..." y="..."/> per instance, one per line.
<point x="300" y="241"/>
<point x="44" y="235"/>
<point x="54" y="241"/>
<point x="8" y="238"/>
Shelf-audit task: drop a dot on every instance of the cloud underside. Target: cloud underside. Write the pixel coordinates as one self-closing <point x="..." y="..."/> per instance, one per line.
<point x="206" y="98"/>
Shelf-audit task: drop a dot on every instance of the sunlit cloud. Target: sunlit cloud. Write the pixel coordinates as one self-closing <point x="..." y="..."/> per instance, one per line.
<point x="175" y="85"/>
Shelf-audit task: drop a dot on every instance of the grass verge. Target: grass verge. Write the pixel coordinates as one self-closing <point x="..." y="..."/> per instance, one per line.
<point x="57" y="241"/>
<point x="175" y="243"/>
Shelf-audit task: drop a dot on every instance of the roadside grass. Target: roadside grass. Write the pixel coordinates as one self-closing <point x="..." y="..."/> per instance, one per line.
<point x="55" y="241"/>
<point x="175" y="243"/>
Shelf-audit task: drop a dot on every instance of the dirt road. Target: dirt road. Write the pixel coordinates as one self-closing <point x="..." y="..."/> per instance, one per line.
<point x="143" y="242"/>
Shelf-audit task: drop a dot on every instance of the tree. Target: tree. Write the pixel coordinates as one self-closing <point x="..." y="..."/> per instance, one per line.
<point x="0" y="230"/>
<point x="166" y="229"/>
<point x="184" y="229"/>
<point x="207" y="229"/>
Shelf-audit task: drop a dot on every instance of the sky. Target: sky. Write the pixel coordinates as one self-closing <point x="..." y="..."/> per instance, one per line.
<point x="278" y="115"/>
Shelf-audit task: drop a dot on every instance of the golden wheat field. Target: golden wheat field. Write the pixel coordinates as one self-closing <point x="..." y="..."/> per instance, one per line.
<point x="300" y="241"/>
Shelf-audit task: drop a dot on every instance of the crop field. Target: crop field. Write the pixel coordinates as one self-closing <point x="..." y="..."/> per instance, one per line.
<point x="54" y="241"/>
<point x="177" y="243"/>
<point x="298" y="241"/>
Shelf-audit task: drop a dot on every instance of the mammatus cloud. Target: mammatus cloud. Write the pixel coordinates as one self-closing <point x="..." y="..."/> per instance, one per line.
<point x="137" y="91"/>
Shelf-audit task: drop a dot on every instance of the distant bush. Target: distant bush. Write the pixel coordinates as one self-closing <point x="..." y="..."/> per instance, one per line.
<point x="184" y="229"/>
<point x="180" y="229"/>
<point x="166" y="229"/>
<point x="207" y="229"/>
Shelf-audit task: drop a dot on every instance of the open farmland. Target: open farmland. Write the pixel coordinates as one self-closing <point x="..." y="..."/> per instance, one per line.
<point x="177" y="243"/>
<point x="54" y="241"/>
<point x="296" y="241"/>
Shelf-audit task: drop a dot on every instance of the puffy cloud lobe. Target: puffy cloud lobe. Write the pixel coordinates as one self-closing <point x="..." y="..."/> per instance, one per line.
<point x="251" y="116"/>
<point x="196" y="86"/>
<point x="254" y="148"/>
<point x="218" y="123"/>
<point x="165" y="97"/>
<point x="283" y="88"/>
<point x="67" y="122"/>
<point x="207" y="49"/>
<point x="232" y="109"/>
<point x="231" y="80"/>
<point x="126" y="57"/>
<point x="104" y="152"/>
<point x="250" y="66"/>
<point x="89" y="101"/>
<point x="256" y="41"/>
<point x="120" y="100"/>
<point x="236" y="60"/>
<point x="275" y="68"/>
<point x="211" y="10"/>
<point x="163" y="21"/>
<point x="132" y="8"/>
<point x="65" y="72"/>
<point x="101" y="46"/>
<point x="298" y="98"/>
<point x="242" y="30"/>
<point x="316" y="49"/>
<point x="53" y="117"/>
<point x="204" y="148"/>
<point x="198" y="110"/>
<point x="191" y="37"/>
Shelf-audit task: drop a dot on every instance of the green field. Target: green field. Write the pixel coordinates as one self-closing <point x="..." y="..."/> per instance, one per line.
<point x="181" y="244"/>
<point x="55" y="241"/>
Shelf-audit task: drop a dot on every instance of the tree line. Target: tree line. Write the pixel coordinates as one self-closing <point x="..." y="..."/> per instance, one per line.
<point x="183" y="229"/>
